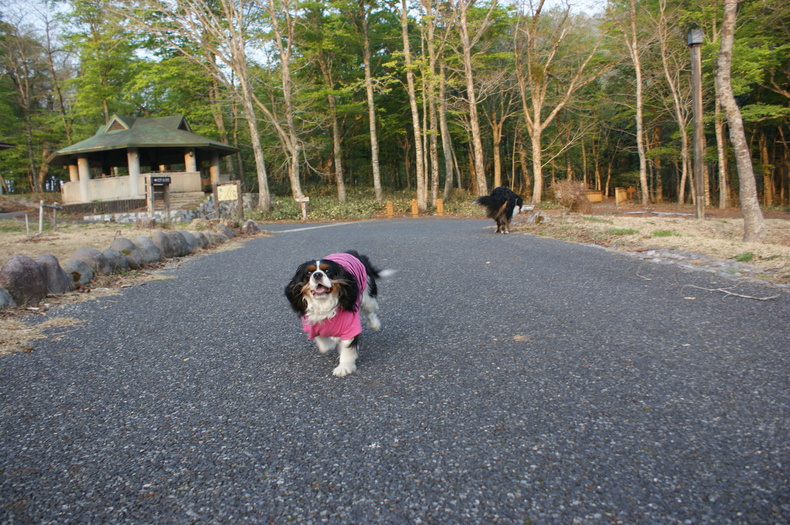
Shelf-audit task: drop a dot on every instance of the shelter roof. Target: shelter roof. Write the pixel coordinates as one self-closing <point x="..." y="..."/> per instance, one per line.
<point x="131" y="132"/>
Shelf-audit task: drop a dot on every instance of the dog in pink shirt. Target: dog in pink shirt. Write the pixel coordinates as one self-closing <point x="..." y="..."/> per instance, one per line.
<point x="329" y="295"/>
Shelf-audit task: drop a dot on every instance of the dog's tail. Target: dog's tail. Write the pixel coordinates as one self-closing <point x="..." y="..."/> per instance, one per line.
<point x="385" y="274"/>
<point x="492" y="205"/>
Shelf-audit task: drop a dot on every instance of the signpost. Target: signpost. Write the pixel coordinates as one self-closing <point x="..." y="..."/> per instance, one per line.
<point x="153" y="182"/>
<point x="229" y="191"/>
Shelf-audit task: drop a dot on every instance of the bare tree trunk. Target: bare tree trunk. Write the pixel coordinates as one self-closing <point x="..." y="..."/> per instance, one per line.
<point x="632" y="43"/>
<point x="430" y="20"/>
<point x="422" y="203"/>
<point x="753" y="222"/>
<point x="284" y="41"/>
<point x="681" y="116"/>
<point x="496" y="131"/>
<point x="721" y="148"/>
<point x="447" y="146"/>
<point x="461" y="7"/>
<point x="374" y="140"/>
<point x="337" y="149"/>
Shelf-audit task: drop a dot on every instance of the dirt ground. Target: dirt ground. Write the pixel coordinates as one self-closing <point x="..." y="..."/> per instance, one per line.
<point x="634" y="228"/>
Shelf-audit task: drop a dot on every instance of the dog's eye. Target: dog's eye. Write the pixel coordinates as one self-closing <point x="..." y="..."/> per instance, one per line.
<point x="311" y="268"/>
<point x="325" y="267"/>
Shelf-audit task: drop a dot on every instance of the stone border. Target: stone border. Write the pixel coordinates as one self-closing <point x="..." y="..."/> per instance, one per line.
<point x="25" y="281"/>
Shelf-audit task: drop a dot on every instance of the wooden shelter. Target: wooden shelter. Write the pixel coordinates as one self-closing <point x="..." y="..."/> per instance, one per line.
<point x="136" y="147"/>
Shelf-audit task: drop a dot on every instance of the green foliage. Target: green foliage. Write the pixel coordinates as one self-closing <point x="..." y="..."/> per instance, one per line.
<point x="598" y="219"/>
<point x="622" y="231"/>
<point x="744" y="257"/>
<point x="665" y="233"/>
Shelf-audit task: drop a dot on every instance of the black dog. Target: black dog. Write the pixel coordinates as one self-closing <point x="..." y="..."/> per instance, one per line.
<point x="502" y="205"/>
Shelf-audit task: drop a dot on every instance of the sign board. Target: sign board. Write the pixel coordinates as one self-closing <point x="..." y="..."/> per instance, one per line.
<point x="160" y="181"/>
<point x="228" y="192"/>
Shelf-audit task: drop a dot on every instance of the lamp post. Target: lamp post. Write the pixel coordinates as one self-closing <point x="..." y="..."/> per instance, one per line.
<point x="694" y="41"/>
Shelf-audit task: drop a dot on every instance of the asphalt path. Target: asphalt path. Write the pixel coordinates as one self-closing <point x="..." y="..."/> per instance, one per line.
<point x="516" y="379"/>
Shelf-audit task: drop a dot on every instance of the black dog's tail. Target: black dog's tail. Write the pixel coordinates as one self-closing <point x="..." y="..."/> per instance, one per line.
<point x="373" y="272"/>
<point x="492" y="205"/>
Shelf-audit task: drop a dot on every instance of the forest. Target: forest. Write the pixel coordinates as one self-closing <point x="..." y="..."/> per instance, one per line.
<point x="439" y="98"/>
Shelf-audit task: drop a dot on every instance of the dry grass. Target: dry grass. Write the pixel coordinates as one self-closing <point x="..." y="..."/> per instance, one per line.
<point x="719" y="237"/>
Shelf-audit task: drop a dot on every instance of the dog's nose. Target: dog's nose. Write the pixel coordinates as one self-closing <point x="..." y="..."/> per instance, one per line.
<point x="318" y="276"/>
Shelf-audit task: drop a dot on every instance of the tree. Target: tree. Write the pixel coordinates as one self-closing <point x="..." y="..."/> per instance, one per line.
<point x="672" y="68"/>
<point x="634" y="47"/>
<point x="753" y="223"/>
<point x="23" y="62"/>
<point x="461" y="7"/>
<point x="422" y="187"/>
<point x="549" y="69"/>
<point x="361" y="13"/>
<point x="213" y="37"/>
<point x="282" y="19"/>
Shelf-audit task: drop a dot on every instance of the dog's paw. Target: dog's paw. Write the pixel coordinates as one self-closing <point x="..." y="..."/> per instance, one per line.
<point x="374" y="324"/>
<point x="343" y="370"/>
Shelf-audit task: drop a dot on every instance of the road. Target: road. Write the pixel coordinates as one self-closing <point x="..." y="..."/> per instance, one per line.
<point x="516" y="379"/>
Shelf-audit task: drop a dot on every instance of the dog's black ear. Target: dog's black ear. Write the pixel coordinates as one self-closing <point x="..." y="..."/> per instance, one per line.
<point x="294" y="290"/>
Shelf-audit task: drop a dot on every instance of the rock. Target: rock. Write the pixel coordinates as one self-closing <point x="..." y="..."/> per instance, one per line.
<point x="118" y="261"/>
<point x="216" y="238"/>
<point x="180" y="246"/>
<point x="6" y="301"/>
<point x="200" y="224"/>
<point x="79" y="272"/>
<point x="148" y="249"/>
<point x="191" y="240"/>
<point x="537" y="218"/>
<point x="163" y="243"/>
<point x="55" y="278"/>
<point x="224" y="230"/>
<point x="133" y="255"/>
<point x="22" y="277"/>
<point x="250" y="227"/>
<point x="145" y="223"/>
<point x="93" y="258"/>
<point x="202" y="240"/>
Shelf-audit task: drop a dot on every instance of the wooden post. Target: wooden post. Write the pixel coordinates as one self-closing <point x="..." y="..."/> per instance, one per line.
<point x="390" y="210"/>
<point x="694" y="40"/>
<point x="303" y="202"/>
<point x="240" y="202"/>
<point x="149" y="196"/>
<point x="166" y="195"/>
<point x="620" y="196"/>
<point x="440" y="207"/>
<point x="40" y="217"/>
<point x="215" y="193"/>
<point x="415" y="212"/>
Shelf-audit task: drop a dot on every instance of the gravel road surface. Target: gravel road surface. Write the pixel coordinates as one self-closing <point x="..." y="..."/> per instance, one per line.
<point x="516" y="380"/>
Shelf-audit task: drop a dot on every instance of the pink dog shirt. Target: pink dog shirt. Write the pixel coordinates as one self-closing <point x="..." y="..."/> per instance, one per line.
<point x="345" y="325"/>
